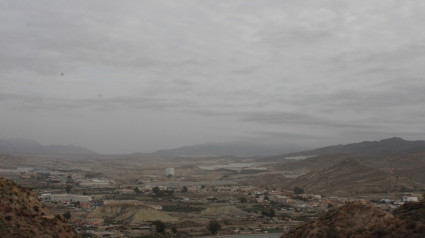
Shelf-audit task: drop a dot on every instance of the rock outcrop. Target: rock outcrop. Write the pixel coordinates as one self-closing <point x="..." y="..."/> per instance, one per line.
<point x="22" y="215"/>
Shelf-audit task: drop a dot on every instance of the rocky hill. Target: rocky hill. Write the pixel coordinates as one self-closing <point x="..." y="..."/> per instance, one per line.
<point x="22" y="215"/>
<point x="349" y="177"/>
<point x="382" y="148"/>
<point x="130" y="214"/>
<point x="358" y="219"/>
<point x="388" y="153"/>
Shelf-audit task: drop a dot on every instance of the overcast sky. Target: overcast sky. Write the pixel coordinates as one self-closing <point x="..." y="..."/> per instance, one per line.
<point x="127" y="76"/>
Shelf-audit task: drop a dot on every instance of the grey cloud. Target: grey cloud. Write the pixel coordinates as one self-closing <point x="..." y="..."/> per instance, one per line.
<point x="208" y="70"/>
<point x="295" y="118"/>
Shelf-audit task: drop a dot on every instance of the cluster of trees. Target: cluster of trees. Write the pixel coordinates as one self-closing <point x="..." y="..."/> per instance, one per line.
<point x="159" y="226"/>
<point x="162" y="193"/>
<point x="268" y="212"/>
<point x="243" y="200"/>
<point x="298" y="190"/>
<point x="214" y="226"/>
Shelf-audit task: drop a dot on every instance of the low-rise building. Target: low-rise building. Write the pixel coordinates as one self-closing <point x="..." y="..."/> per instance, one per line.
<point x="410" y="199"/>
<point x="170" y="172"/>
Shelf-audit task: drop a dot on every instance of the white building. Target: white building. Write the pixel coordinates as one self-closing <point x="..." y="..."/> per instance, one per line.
<point x="169" y="172"/>
<point x="410" y="199"/>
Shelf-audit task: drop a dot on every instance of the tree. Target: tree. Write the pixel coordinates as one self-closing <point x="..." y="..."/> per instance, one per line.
<point x="174" y="229"/>
<point x="68" y="188"/>
<point x="67" y="215"/>
<point x="298" y="190"/>
<point x="159" y="226"/>
<point x="184" y="190"/>
<point x="214" y="226"/>
<point x="268" y="213"/>
<point x="137" y="190"/>
<point x="243" y="200"/>
<point x="155" y="190"/>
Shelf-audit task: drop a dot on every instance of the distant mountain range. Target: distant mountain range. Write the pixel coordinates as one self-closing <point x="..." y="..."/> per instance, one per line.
<point x="30" y="147"/>
<point x="383" y="148"/>
<point x="366" y="149"/>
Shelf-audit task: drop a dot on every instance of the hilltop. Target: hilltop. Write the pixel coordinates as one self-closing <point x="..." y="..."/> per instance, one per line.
<point x="22" y="215"/>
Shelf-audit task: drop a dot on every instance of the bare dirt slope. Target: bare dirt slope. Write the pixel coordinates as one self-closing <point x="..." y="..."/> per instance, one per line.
<point x="351" y="177"/>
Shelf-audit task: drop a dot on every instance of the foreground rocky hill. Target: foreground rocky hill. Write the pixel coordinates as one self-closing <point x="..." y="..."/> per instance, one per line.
<point x="358" y="219"/>
<point x="22" y="215"/>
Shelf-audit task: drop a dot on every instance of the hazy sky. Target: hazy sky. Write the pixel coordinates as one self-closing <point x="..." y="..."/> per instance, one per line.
<point x="126" y="76"/>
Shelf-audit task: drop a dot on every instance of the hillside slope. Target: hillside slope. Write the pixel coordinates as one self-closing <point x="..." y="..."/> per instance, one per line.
<point x="349" y="177"/>
<point x="22" y="215"/>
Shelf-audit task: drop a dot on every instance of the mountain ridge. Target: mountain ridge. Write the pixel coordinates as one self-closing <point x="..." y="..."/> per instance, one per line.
<point x="31" y="147"/>
<point x="385" y="147"/>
